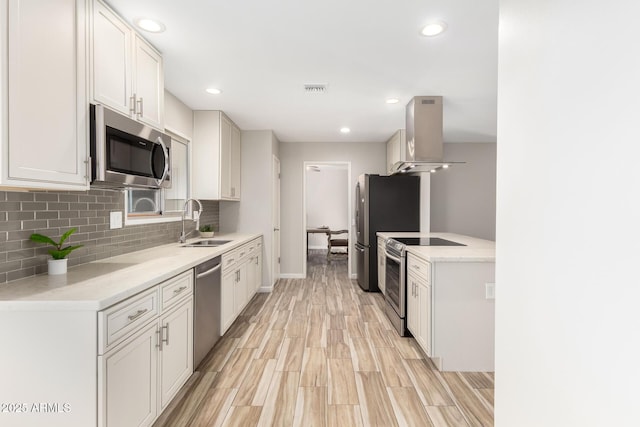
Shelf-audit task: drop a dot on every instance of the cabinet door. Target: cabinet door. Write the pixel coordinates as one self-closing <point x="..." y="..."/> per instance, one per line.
<point x="259" y="268"/>
<point x="241" y="289"/>
<point x="176" y="353"/>
<point x="235" y="162"/>
<point x="148" y="77"/>
<point x="44" y="128"/>
<point x="424" y="304"/>
<point x="413" y="308"/>
<point x="225" y="157"/>
<point x="227" y="309"/>
<point x="393" y="151"/>
<point x="382" y="260"/>
<point x="111" y="60"/>
<point x="127" y="381"/>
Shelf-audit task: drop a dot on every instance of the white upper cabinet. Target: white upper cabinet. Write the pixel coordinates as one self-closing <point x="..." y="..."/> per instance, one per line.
<point x="395" y="149"/>
<point x="43" y="102"/>
<point x="149" y="84"/>
<point x="126" y="72"/>
<point x="216" y="156"/>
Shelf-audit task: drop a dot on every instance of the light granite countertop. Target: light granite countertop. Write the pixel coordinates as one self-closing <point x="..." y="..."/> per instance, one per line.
<point x="476" y="250"/>
<point x="100" y="284"/>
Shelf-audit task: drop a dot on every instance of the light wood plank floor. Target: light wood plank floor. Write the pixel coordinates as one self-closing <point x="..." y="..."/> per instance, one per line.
<point x="321" y="352"/>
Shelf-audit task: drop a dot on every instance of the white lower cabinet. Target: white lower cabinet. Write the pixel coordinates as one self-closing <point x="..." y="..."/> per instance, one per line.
<point x="382" y="261"/>
<point x="449" y="313"/>
<point x="419" y="307"/>
<point x="129" y="381"/>
<point x="176" y="353"/>
<point x="241" y="294"/>
<point x="227" y="309"/>
<point x="241" y="278"/>
<point x="139" y="375"/>
<point x="424" y="319"/>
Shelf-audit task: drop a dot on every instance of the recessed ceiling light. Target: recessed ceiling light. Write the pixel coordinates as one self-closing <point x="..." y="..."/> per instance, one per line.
<point x="433" y="29"/>
<point x="213" y="91"/>
<point x="150" y="25"/>
<point x="392" y="100"/>
<point x="445" y="166"/>
<point x="345" y="130"/>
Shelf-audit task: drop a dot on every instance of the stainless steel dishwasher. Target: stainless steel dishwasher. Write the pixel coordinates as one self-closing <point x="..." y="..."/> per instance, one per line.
<point x="206" y="324"/>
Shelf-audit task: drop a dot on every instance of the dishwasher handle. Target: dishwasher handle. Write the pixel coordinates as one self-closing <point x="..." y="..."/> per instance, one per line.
<point x="209" y="271"/>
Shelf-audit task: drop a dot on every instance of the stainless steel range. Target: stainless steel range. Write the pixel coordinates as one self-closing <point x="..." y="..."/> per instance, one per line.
<point x="395" y="276"/>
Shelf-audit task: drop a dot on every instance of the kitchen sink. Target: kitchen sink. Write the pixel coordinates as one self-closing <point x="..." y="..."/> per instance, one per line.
<point x="205" y="243"/>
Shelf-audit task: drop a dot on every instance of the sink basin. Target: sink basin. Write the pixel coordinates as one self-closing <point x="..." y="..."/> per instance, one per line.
<point x="205" y="243"/>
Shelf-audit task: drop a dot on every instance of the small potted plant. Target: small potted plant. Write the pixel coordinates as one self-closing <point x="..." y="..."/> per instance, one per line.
<point x="206" y="230"/>
<point x="58" y="262"/>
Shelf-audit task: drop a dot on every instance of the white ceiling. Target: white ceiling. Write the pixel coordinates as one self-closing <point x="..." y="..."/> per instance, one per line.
<point x="260" y="53"/>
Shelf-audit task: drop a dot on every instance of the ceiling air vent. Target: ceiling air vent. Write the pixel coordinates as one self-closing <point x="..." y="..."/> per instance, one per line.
<point x="315" y="88"/>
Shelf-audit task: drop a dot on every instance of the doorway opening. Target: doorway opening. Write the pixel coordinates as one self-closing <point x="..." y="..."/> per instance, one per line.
<point x="327" y="210"/>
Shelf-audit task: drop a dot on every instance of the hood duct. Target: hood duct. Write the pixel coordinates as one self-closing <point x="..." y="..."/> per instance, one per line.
<point x="423" y="149"/>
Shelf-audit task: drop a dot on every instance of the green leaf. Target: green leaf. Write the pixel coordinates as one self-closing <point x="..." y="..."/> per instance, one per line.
<point x="65" y="236"/>
<point x="42" y="239"/>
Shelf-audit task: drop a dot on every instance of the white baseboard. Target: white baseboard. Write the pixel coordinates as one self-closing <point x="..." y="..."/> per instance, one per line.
<point x="292" y="276"/>
<point x="265" y="289"/>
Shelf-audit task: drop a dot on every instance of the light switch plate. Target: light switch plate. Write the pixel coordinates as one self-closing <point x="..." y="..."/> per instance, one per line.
<point x="115" y="219"/>
<point x="490" y="290"/>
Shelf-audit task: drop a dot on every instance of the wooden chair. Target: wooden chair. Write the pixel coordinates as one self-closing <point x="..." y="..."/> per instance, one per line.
<point x="333" y="242"/>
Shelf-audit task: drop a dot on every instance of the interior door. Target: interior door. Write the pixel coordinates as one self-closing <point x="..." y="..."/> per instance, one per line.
<point x="276" y="221"/>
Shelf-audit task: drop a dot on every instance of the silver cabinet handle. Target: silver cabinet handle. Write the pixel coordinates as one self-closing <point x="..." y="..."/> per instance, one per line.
<point x="138" y="314"/>
<point x="166" y="336"/>
<point x="159" y="335"/>
<point x="139" y="104"/>
<point x="180" y="289"/>
<point x="132" y="104"/>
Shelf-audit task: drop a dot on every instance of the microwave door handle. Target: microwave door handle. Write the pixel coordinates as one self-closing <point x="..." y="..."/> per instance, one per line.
<point x="166" y="161"/>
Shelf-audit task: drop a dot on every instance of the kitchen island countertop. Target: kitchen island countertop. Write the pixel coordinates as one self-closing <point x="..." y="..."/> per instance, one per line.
<point x="476" y="250"/>
<point x="100" y="284"/>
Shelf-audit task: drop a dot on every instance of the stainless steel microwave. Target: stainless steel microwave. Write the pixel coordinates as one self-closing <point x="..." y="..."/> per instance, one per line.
<point x="127" y="153"/>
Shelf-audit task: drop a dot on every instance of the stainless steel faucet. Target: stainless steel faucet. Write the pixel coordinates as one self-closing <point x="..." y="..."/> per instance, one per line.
<point x="183" y="236"/>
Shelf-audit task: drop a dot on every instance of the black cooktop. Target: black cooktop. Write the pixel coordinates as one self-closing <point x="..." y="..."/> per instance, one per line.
<point x="426" y="241"/>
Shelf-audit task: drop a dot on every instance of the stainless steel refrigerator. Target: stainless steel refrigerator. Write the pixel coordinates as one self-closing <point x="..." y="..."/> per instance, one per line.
<point x="383" y="203"/>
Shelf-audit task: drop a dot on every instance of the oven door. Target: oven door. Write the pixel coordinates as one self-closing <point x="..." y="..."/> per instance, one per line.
<point x="395" y="288"/>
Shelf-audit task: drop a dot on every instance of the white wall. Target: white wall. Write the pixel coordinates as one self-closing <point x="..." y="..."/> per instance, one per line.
<point x="177" y="116"/>
<point x="327" y="200"/>
<point x="463" y="197"/>
<point x="568" y="215"/>
<point x="364" y="157"/>
<point x="253" y="213"/>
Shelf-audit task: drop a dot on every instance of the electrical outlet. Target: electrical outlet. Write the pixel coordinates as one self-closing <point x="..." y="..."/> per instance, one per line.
<point x="490" y="290"/>
<point x="115" y="219"/>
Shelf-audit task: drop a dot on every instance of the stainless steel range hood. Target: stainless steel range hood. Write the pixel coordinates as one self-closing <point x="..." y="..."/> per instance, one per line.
<point x="423" y="150"/>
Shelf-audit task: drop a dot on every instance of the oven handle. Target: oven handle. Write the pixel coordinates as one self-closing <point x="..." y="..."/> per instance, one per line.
<point x="388" y="255"/>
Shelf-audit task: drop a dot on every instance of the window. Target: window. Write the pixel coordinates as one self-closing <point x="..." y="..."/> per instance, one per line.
<point x="143" y="206"/>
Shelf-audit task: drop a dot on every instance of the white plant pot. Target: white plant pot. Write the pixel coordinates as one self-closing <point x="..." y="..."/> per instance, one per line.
<point x="57" y="266"/>
<point x="207" y="234"/>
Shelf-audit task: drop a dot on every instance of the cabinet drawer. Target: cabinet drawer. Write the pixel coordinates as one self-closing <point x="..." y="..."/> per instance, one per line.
<point x="243" y="252"/>
<point x="118" y="321"/>
<point x="173" y="290"/>
<point x="420" y="268"/>
<point x="229" y="260"/>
